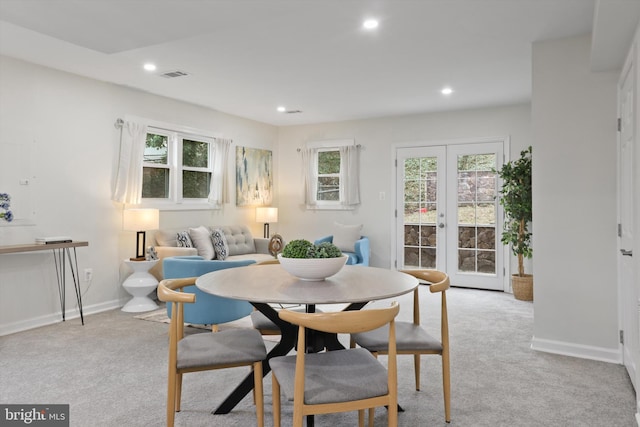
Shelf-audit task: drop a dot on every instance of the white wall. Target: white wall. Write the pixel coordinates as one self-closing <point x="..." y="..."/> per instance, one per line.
<point x="68" y="120"/>
<point x="574" y="202"/>
<point x="377" y="137"/>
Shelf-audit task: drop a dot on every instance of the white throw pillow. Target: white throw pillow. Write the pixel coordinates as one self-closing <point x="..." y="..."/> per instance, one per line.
<point x="345" y="236"/>
<point x="201" y="239"/>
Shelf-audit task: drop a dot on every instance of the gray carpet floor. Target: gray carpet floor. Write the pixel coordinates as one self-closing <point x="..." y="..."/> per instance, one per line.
<point x="112" y="371"/>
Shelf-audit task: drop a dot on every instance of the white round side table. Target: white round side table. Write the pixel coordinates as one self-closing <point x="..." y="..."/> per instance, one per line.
<point x="140" y="284"/>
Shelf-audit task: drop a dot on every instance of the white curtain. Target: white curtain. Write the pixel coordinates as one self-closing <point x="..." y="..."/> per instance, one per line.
<point x="219" y="192"/>
<point x="309" y="175"/>
<point x="128" y="180"/>
<point x="349" y="175"/>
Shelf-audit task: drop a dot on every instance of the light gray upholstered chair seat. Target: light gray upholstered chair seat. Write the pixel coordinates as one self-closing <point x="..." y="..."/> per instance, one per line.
<point x="408" y="337"/>
<point x="239" y="346"/>
<point x="333" y="376"/>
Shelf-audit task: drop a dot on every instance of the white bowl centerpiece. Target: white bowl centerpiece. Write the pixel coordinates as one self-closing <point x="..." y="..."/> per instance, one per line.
<point x="310" y="262"/>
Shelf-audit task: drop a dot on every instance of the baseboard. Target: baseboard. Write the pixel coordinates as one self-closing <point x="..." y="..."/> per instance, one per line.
<point x="50" y="319"/>
<point x="577" y="350"/>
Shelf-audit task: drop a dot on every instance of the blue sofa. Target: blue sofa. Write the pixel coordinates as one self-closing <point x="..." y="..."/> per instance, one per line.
<point x="208" y="309"/>
<point x="360" y="255"/>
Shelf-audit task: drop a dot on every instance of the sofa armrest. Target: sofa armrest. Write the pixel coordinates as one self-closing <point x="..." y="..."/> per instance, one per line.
<point x="363" y="250"/>
<point x="262" y="245"/>
<point x="169" y="251"/>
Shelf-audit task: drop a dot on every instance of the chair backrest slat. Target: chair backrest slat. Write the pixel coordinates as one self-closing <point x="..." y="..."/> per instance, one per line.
<point x="343" y="322"/>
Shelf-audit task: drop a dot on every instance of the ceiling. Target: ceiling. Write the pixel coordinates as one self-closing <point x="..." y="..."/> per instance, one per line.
<point x="247" y="57"/>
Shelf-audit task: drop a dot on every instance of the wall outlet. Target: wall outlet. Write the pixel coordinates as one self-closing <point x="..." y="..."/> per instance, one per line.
<point x="88" y="274"/>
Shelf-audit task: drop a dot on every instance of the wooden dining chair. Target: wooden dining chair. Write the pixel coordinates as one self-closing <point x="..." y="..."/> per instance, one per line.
<point x="340" y="380"/>
<point x="411" y="338"/>
<point x="206" y="351"/>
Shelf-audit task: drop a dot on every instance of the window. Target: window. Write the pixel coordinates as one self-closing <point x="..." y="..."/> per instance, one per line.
<point x="177" y="167"/>
<point x="328" y="187"/>
<point x="331" y="174"/>
<point x="167" y="166"/>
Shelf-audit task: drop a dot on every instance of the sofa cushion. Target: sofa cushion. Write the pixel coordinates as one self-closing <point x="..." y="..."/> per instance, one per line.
<point x="165" y="238"/>
<point x="239" y="239"/>
<point x="345" y="236"/>
<point x="220" y="245"/>
<point x="201" y="239"/>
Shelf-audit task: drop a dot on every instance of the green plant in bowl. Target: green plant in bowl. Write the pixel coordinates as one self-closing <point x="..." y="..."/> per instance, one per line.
<point x="302" y="248"/>
<point x="310" y="262"/>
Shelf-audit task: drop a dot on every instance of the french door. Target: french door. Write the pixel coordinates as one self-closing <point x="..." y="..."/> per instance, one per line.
<point x="629" y="289"/>
<point x="448" y="216"/>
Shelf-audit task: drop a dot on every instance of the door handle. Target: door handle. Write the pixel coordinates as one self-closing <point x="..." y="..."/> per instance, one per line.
<point x="625" y="252"/>
<point x="441" y="225"/>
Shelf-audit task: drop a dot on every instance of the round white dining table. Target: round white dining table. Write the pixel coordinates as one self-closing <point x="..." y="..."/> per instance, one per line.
<point x="272" y="284"/>
<point x="263" y="285"/>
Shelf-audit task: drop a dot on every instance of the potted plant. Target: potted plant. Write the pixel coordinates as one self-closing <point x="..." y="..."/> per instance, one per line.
<point x="307" y="261"/>
<point x="515" y="197"/>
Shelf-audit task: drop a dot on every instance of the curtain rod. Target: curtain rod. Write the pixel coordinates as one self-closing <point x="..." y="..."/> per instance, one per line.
<point x="119" y="123"/>
<point x="300" y="149"/>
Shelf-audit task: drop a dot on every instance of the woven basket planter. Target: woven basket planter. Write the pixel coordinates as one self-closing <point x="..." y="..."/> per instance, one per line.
<point x="522" y="287"/>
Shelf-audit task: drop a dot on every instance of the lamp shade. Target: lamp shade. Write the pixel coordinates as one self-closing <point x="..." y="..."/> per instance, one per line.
<point x="141" y="219"/>
<point x="267" y="215"/>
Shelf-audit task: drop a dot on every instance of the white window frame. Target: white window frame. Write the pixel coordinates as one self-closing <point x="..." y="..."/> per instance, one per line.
<point x="323" y="146"/>
<point x="176" y="134"/>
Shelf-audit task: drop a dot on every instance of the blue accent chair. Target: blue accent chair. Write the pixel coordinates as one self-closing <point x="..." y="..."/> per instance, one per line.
<point x="208" y="309"/>
<point x="360" y="256"/>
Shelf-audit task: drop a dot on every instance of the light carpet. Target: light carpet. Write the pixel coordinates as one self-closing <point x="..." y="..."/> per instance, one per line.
<point x="113" y="372"/>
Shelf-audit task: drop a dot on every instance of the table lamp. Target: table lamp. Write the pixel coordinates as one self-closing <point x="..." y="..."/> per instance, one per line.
<point x="141" y="220"/>
<point x="266" y="215"/>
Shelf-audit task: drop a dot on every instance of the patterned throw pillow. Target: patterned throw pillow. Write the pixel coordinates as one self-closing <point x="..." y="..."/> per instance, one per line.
<point x="219" y="244"/>
<point x="151" y="253"/>
<point x="183" y="239"/>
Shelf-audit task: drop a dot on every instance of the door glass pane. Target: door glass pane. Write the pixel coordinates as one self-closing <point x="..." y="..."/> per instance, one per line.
<point x="420" y="211"/>
<point x="476" y="213"/>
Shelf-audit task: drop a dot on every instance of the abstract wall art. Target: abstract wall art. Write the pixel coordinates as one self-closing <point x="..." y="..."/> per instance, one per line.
<point x="254" y="177"/>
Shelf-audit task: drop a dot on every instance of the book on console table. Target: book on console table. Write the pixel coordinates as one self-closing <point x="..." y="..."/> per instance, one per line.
<point x="52" y="240"/>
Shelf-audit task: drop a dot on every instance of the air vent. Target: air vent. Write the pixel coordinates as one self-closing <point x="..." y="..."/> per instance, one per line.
<point x="174" y="74"/>
<point x="293" y="112"/>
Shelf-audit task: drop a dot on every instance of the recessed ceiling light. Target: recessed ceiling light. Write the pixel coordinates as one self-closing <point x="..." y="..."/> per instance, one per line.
<point x="149" y="66"/>
<point x="281" y="109"/>
<point x="446" y="91"/>
<point x="370" y="24"/>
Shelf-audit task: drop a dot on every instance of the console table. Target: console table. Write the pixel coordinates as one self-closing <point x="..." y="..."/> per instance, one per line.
<point x="61" y="252"/>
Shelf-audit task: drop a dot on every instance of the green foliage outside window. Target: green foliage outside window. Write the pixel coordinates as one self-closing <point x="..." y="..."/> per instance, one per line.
<point x="195" y="155"/>
<point x="329" y="175"/>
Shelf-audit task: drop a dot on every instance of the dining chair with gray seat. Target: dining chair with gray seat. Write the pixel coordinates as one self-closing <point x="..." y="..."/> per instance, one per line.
<point x="207" y="350"/>
<point x="412" y="338"/>
<point x="339" y="380"/>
